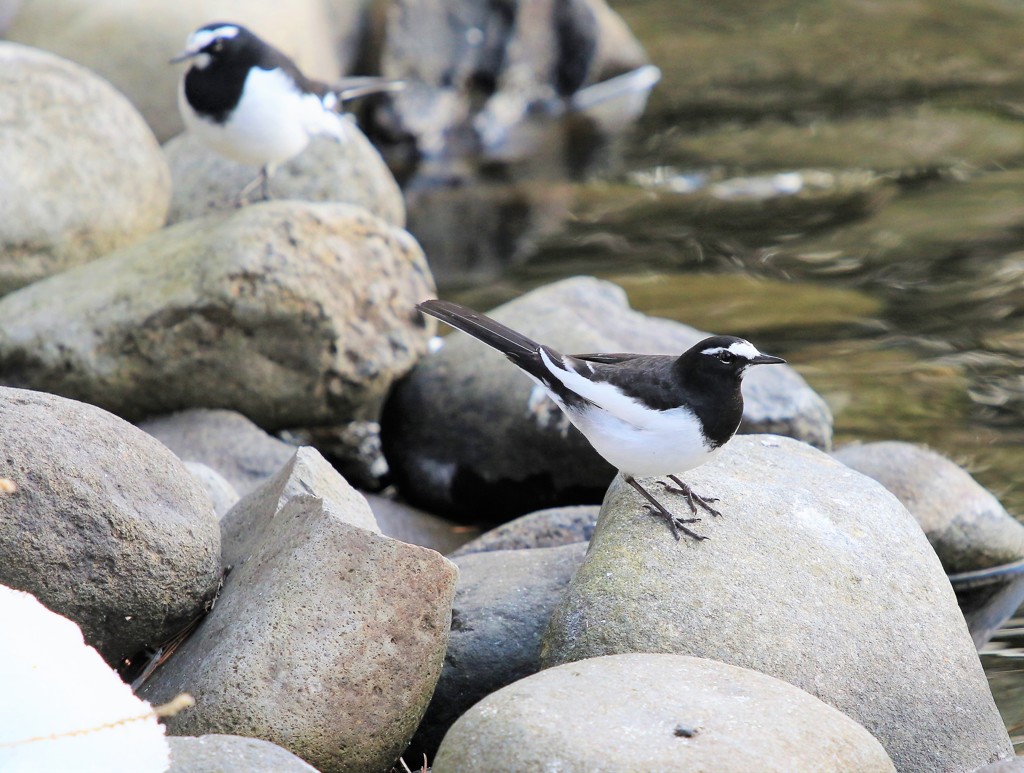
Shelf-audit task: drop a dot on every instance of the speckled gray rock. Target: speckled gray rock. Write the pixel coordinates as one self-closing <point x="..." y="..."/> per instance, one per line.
<point x="502" y="603"/>
<point x="410" y="524"/>
<point x="814" y="574"/>
<point x="80" y="172"/>
<point x="225" y="441"/>
<point x="222" y="494"/>
<point x="351" y="172"/>
<point x="231" y="754"/>
<point x="349" y="627"/>
<point x="644" y="712"/>
<point x="966" y="524"/>
<point x="131" y="43"/>
<point x="289" y="312"/>
<point x="542" y="529"/>
<point x="105" y="527"/>
<point x="464" y="438"/>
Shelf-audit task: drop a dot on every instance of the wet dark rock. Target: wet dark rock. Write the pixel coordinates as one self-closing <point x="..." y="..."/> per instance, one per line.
<point x="642" y="712"/>
<point x="542" y="529"/>
<point x="410" y="524"/>
<point x="56" y="117"/>
<point x="814" y="574"/>
<point x="104" y="526"/>
<point x="503" y="600"/>
<point x="465" y="436"/>
<point x="348" y="626"/>
<point x="349" y="172"/>
<point x="216" y="753"/>
<point x="223" y="440"/>
<point x="966" y="525"/>
<point x="291" y="313"/>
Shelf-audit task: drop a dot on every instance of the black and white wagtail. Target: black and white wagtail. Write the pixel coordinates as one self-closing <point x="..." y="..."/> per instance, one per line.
<point x="248" y="101"/>
<point x="647" y="414"/>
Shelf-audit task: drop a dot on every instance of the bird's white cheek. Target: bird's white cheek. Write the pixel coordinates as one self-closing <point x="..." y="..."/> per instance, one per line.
<point x="201" y="61"/>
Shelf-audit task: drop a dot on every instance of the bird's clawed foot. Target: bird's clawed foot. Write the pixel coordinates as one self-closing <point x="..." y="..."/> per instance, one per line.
<point x="692" y="497"/>
<point x="675" y="523"/>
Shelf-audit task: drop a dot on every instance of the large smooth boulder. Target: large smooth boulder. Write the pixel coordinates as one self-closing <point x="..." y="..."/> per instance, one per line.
<point x="644" y="712"/>
<point x="815" y="575"/>
<point x="465" y="435"/>
<point x="964" y="522"/>
<point x="503" y="600"/>
<point x="105" y="525"/>
<point x="130" y="43"/>
<point x="80" y="172"/>
<point x="351" y="172"/>
<point x="327" y="638"/>
<point x="289" y="312"/>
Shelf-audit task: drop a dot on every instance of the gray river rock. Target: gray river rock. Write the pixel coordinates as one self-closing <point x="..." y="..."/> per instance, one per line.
<point x="814" y="574"/>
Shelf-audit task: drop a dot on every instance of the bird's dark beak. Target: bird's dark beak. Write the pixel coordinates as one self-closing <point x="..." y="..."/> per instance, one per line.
<point x="767" y="359"/>
<point x="183" y="56"/>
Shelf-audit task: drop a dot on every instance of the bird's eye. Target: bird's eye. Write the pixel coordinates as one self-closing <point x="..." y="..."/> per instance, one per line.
<point x="726" y="357"/>
<point x="218" y="46"/>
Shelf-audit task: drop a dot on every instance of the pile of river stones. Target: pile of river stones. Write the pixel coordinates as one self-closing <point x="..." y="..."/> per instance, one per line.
<point x="156" y="345"/>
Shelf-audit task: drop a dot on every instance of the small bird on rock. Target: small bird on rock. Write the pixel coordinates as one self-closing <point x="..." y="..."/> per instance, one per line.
<point x="248" y="101"/>
<point x="647" y="414"/>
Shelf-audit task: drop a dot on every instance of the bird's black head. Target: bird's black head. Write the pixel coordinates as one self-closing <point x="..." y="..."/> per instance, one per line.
<point x="222" y="42"/>
<point x="724" y="357"/>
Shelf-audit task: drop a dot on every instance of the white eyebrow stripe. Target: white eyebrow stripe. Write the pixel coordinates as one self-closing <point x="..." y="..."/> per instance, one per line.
<point x="200" y="39"/>
<point x="743" y="349"/>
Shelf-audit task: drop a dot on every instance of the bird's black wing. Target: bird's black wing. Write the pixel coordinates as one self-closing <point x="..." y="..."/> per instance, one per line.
<point x="648" y="378"/>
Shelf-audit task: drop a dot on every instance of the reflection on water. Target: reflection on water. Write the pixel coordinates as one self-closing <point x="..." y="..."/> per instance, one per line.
<point x="898" y="293"/>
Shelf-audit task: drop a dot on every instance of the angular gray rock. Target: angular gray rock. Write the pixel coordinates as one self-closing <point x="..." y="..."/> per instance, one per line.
<point x="105" y="526"/>
<point x="223" y="440"/>
<point x="542" y="529"/>
<point x="814" y="574"/>
<point x="503" y="600"/>
<point x="644" y="712"/>
<point x="349" y="172"/>
<point x="289" y="312"/>
<point x="216" y="753"/>
<point x="306" y="474"/>
<point x="963" y="521"/>
<point x="80" y="172"/>
<point x="327" y="638"/>
<point x="150" y="32"/>
<point x="464" y="435"/>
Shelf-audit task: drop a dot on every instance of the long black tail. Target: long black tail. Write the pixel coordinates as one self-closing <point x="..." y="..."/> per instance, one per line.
<point x="523" y="351"/>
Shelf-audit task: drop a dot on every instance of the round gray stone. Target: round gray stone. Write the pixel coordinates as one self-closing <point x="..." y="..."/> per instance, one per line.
<point x="105" y="527"/>
<point x="643" y="712"/>
<point x="814" y="574"/>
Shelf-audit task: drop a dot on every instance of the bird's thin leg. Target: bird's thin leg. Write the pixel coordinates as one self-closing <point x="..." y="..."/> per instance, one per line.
<point x="675" y="523"/>
<point x="692" y="497"/>
<point x="265" y="173"/>
<point x="260" y="181"/>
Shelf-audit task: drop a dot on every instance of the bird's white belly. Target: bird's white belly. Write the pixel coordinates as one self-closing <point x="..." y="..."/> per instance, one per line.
<point x="271" y="123"/>
<point x="673" y="445"/>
